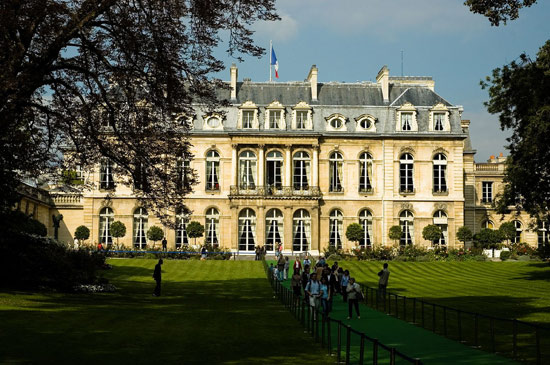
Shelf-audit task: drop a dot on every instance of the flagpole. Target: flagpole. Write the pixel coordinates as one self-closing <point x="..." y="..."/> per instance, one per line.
<point x="270" y="53"/>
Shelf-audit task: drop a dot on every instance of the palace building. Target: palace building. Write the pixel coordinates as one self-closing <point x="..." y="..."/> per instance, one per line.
<point x="297" y="162"/>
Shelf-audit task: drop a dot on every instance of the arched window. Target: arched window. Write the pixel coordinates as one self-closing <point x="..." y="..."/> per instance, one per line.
<point x="184" y="173"/>
<point x="301" y="170"/>
<point x="274" y="229"/>
<point x="212" y="226"/>
<point x="247" y="170"/>
<point x="365" y="220"/>
<point x="301" y="230"/>
<point x="519" y="231"/>
<point x="440" y="170"/>
<point x="488" y="224"/>
<point x="365" y="172"/>
<point x="273" y="170"/>
<point x="543" y="234"/>
<point x="440" y="220"/>
<point x="106" y="217"/>
<point x="406" y="170"/>
<point x="141" y="221"/>
<point x="106" y="180"/>
<point x="181" y="231"/>
<point x="335" y="231"/>
<point x="336" y="164"/>
<point x="212" y="170"/>
<point x="406" y="221"/>
<point x="247" y="230"/>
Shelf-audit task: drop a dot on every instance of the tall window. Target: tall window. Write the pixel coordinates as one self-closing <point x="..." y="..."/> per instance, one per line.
<point x="365" y="172"/>
<point x="141" y="180"/>
<point x="106" y="175"/>
<point x="301" y="170"/>
<point x="440" y="170"/>
<point x="248" y="119"/>
<point x="543" y="234"/>
<point x="406" y="169"/>
<point x="184" y="173"/>
<point x="406" y="121"/>
<point x="335" y="231"/>
<point x="301" y="119"/>
<point x="141" y="220"/>
<point x="247" y="170"/>
<point x="365" y="220"/>
<point x="439" y="121"/>
<point x="440" y="220"/>
<point x="274" y="167"/>
<point x="212" y="170"/>
<point x="106" y="217"/>
<point x="406" y="221"/>
<point x="212" y="227"/>
<point x="301" y="230"/>
<point x="181" y="231"/>
<point x="486" y="191"/>
<point x="519" y="231"/>
<point x="336" y="163"/>
<point x="247" y="230"/>
<point x="274" y="229"/>
<point x="274" y="119"/>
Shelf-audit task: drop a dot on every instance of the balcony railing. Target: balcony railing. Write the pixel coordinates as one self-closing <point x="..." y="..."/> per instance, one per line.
<point x="272" y="191"/>
<point x="494" y="167"/>
<point x="67" y="199"/>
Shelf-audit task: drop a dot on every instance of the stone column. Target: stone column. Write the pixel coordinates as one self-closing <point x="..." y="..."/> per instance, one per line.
<point x="315" y="177"/>
<point x="260" y="226"/>
<point x="315" y="227"/>
<point x="261" y="167"/>
<point x="234" y="167"/>
<point x="287" y="225"/>
<point x="288" y="165"/>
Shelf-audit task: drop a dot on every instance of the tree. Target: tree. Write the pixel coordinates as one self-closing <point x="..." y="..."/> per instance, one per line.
<point x="155" y="233"/>
<point x="508" y="231"/>
<point x="82" y="233"/>
<point x="116" y="80"/>
<point x="194" y="230"/>
<point x="431" y="233"/>
<point x="488" y="238"/>
<point x="118" y="229"/>
<point x="519" y="93"/>
<point x="395" y="233"/>
<point x="498" y="10"/>
<point x="464" y="234"/>
<point x="355" y="232"/>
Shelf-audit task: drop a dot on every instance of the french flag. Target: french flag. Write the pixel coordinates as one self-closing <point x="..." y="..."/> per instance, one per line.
<point x="274" y="62"/>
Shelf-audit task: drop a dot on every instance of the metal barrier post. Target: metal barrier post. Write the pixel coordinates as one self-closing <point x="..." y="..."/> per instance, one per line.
<point x="323" y="322"/>
<point x="476" y="330"/>
<point x="445" y="321"/>
<point x="422" y="313"/>
<point x="329" y="337"/>
<point x="459" y="326"/>
<point x="515" y="339"/>
<point x="404" y="308"/>
<point x="492" y="324"/>
<point x="375" y="352"/>
<point x="362" y="350"/>
<point x="348" y="343"/>
<point x="433" y="318"/>
<point x="396" y="307"/>
<point x="414" y="310"/>
<point x="339" y="342"/>
<point x="392" y="356"/>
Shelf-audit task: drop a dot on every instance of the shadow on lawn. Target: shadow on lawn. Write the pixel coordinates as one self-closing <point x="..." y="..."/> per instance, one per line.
<point x="542" y="272"/>
<point x="193" y="322"/>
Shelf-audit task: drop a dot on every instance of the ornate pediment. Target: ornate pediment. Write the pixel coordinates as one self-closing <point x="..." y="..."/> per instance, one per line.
<point x="302" y="105"/>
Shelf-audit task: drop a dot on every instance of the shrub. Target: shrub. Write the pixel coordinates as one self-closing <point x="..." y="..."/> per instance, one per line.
<point x="82" y="233"/>
<point x="355" y="232"/>
<point x="334" y="257"/>
<point x="194" y="230"/>
<point x="118" y="230"/>
<point x="20" y="222"/>
<point x="431" y="233"/>
<point x="464" y="234"/>
<point x="505" y="255"/>
<point x="155" y="233"/>
<point x="331" y="250"/>
<point x="543" y="252"/>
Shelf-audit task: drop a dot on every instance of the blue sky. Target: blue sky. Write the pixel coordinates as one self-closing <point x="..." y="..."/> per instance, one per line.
<point x="350" y="40"/>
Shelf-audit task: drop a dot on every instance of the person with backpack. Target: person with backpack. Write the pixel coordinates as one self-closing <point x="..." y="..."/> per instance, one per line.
<point x="313" y="289"/>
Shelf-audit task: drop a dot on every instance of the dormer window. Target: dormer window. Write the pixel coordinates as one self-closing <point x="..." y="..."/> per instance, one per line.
<point x="248" y="116"/>
<point x="365" y="123"/>
<point x="406" y="118"/>
<point x="275" y="116"/>
<point x="302" y="116"/>
<point x="213" y="122"/>
<point x="439" y="119"/>
<point x="336" y="122"/>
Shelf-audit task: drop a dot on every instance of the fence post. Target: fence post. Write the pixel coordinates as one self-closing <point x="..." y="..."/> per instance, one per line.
<point x="348" y="343"/>
<point x="459" y="326"/>
<point x="339" y="342"/>
<point x="375" y="352"/>
<point x="362" y="350"/>
<point x="515" y="339"/>
<point x="476" y="330"/>
<point x="392" y="356"/>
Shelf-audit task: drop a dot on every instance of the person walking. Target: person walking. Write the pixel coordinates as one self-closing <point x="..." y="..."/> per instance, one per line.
<point x="325" y="296"/>
<point x="297" y="266"/>
<point x="384" y="275"/>
<point x="164" y="244"/>
<point x="344" y="285"/>
<point x="305" y="280"/>
<point x="281" y="267"/>
<point x="287" y="267"/>
<point x="296" y="285"/>
<point x="313" y="290"/>
<point x="157" y="275"/>
<point x="352" y="289"/>
<point x="307" y="261"/>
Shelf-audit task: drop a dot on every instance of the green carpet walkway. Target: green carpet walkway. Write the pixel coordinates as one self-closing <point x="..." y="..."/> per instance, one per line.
<point x="408" y="338"/>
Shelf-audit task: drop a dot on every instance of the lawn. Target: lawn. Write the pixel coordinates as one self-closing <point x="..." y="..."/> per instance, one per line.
<point x="505" y="289"/>
<point x="210" y="312"/>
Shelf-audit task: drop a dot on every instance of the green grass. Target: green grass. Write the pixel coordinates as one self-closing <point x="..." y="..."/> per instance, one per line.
<point x="210" y="312"/>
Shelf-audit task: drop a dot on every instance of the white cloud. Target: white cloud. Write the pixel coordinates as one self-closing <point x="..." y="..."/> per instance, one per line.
<point x="279" y="31"/>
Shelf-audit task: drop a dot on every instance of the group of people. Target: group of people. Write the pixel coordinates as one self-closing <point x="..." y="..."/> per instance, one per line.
<point x="321" y="283"/>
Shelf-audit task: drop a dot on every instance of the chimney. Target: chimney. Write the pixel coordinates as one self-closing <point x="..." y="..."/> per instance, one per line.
<point x="234" y="76"/>
<point x="465" y="125"/>
<point x="383" y="78"/>
<point x="312" y="78"/>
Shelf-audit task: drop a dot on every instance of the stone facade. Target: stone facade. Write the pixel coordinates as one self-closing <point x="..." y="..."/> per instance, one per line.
<point x="311" y="158"/>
